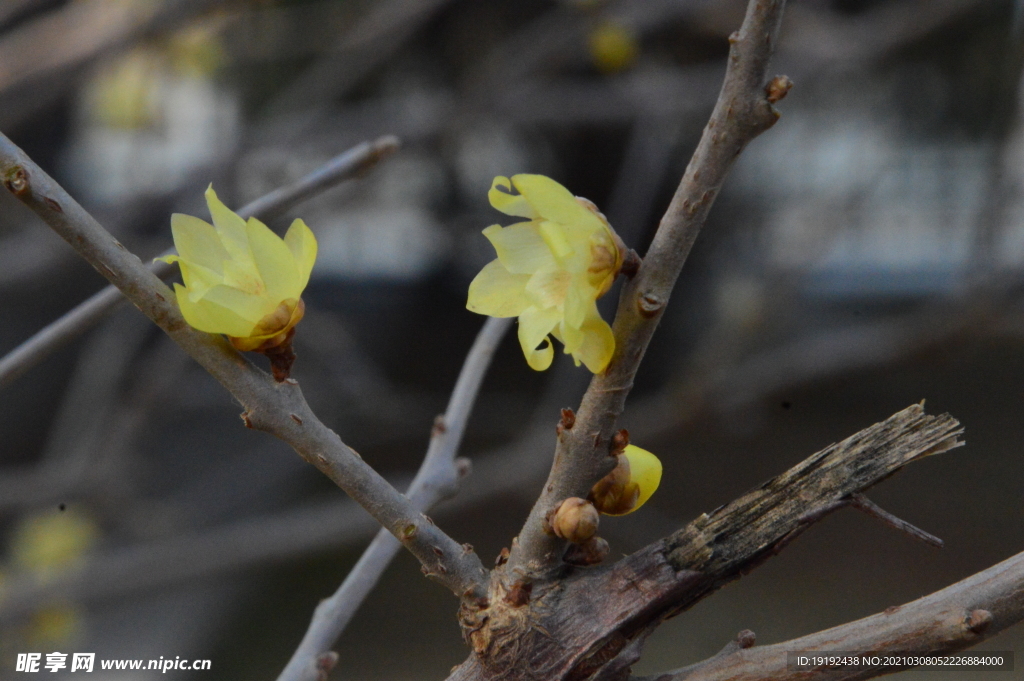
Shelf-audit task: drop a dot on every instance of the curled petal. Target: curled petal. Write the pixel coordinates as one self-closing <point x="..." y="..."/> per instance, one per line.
<point x="534" y="326"/>
<point x="509" y="204"/>
<point x="553" y="201"/>
<point x="496" y="292"/>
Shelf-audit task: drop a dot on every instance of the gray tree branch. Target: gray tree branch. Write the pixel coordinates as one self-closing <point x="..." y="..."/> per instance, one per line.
<point x="743" y="111"/>
<point x="957" y="617"/>
<point x="276" y="408"/>
<point x="435" y="480"/>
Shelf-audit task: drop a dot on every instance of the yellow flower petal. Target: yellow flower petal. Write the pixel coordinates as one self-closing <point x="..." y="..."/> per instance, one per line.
<point x="509" y="204"/>
<point x="274" y="262"/>
<point x="579" y="303"/>
<point x="520" y="247"/>
<point x="534" y="326"/>
<point x="645" y="471"/>
<point x="198" y="279"/>
<point x="555" y="237"/>
<point x="598" y="344"/>
<point x="230" y="228"/>
<point x="571" y="256"/>
<point x="211" y="317"/>
<point x="197" y="242"/>
<point x="249" y="307"/>
<point x="548" y="287"/>
<point x="301" y="242"/>
<point x="553" y="201"/>
<point x="496" y="292"/>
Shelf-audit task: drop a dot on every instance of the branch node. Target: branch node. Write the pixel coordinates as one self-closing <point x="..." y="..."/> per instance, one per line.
<point x="325" y="663"/>
<point x="778" y="88"/>
<point x="978" y="621"/>
<point x="440" y="426"/>
<point x="567" y="421"/>
<point x="17" y="181"/>
<point x="649" y="304"/>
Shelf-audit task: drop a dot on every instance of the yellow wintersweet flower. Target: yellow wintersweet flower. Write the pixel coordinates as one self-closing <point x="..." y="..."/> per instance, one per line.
<point x="550" y="271"/>
<point x="241" y="279"/>
<point x="630" y="484"/>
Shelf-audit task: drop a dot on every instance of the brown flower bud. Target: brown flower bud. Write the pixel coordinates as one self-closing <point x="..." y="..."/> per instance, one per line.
<point x="575" y="520"/>
<point x="591" y="552"/>
<point x="615" y="493"/>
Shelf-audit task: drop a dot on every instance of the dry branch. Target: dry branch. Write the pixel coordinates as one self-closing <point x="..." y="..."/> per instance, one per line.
<point x="562" y="631"/>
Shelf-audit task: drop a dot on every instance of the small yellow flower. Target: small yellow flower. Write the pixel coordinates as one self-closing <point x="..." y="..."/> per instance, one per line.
<point x="630" y="484"/>
<point x="50" y="542"/>
<point x="241" y="279"/>
<point x="550" y="271"/>
<point x="613" y="47"/>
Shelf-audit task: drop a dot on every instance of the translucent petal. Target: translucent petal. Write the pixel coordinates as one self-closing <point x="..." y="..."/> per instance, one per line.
<point x="598" y="344"/>
<point x="548" y="287"/>
<point x="534" y="326"/>
<point x="243" y="276"/>
<point x="520" y="248"/>
<point x="230" y="227"/>
<point x="211" y="317"/>
<point x="198" y="279"/>
<point x="645" y="471"/>
<point x="300" y="240"/>
<point x="555" y="237"/>
<point x="553" y="201"/>
<point x="509" y="204"/>
<point x="496" y="292"/>
<point x="197" y="242"/>
<point x="246" y="305"/>
<point x="579" y="302"/>
<point x="274" y="262"/>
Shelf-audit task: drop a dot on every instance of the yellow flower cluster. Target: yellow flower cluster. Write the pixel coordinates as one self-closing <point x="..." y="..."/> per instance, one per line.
<point x="241" y="279"/>
<point x="550" y="271"/>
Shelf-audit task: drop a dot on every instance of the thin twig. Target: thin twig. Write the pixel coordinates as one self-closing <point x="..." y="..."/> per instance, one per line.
<point x="957" y="617"/>
<point x="276" y="408"/>
<point x="742" y="112"/>
<point x="435" y="480"/>
<point x="862" y="503"/>
<point x="345" y="166"/>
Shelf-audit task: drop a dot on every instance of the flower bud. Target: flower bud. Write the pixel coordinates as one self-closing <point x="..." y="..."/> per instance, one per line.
<point x="590" y="552"/>
<point x="575" y="520"/>
<point x="631" y="483"/>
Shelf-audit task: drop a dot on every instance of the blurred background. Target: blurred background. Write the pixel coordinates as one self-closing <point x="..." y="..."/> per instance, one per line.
<point x="865" y="254"/>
